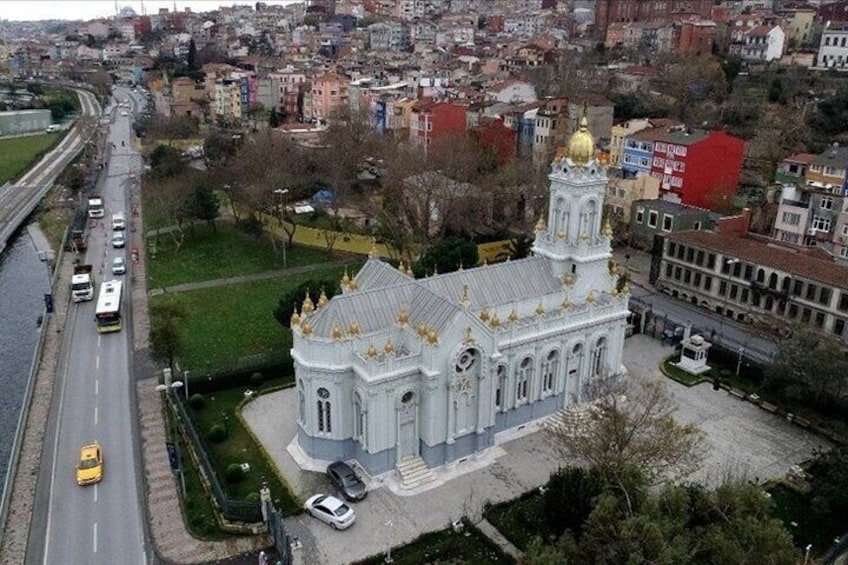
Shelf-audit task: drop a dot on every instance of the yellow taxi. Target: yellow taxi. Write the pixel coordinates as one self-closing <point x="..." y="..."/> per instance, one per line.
<point x="90" y="467"/>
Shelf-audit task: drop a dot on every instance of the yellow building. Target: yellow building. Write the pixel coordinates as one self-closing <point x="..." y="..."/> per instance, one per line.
<point x="622" y="193"/>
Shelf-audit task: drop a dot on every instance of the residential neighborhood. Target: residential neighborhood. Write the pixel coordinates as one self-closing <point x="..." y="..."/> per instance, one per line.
<point x="424" y="281"/>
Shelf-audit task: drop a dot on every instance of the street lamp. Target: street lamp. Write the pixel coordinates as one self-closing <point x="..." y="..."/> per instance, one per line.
<point x="280" y="192"/>
<point x="388" y="524"/>
<point x="728" y="263"/>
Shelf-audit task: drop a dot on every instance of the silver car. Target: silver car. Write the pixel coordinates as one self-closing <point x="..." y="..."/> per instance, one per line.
<point x="119" y="266"/>
<point x="330" y="510"/>
<point x="346" y="481"/>
<point x="118" y="239"/>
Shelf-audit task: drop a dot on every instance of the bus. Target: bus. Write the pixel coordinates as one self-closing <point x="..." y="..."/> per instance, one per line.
<point x="108" y="313"/>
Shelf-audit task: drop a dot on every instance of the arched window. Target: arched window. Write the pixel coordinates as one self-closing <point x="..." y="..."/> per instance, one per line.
<point x="590" y="213"/>
<point x="773" y="281"/>
<point x="525" y="372"/>
<point x="786" y="282"/>
<point x="599" y="358"/>
<point x="761" y="275"/>
<point x="549" y="370"/>
<point x="325" y="420"/>
<point x="301" y="407"/>
<point x="501" y="386"/>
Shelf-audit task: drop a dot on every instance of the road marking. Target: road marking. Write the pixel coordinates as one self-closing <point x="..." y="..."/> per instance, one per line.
<point x="98" y="339"/>
<point x="97" y="362"/>
<point x="95" y="537"/>
<point x="95" y="415"/>
<point x="96" y="387"/>
<point x="95" y="492"/>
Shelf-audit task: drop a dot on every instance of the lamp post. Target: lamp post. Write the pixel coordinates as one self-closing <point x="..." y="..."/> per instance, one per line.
<point x="728" y="263"/>
<point x="807" y="553"/>
<point x="166" y="388"/>
<point x="388" y="524"/>
<point x="279" y="193"/>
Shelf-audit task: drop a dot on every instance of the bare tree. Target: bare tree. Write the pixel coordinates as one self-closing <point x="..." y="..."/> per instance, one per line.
<point x="632" y="427"/>
<point x="165" y="201"/>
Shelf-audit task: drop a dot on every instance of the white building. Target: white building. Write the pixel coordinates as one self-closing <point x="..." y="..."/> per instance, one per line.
<point x="397" y="371"/>
<point x="762" y="43"/>
<point x="833" y="49"/>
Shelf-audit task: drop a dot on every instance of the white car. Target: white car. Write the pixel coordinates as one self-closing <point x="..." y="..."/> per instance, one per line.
<point x="330" y="510"/>
<point x="119" y="266"/>
<point x="118" y="239"/>
<point x="124" y="114"/>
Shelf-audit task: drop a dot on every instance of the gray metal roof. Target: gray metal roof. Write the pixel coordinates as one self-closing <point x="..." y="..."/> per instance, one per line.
<point x="434" y="300"/>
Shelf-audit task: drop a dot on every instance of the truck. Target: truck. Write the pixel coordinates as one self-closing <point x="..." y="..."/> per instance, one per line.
<point x="95" y="207"/>
<point x="82" y="283"/>
<point x="77" y="242"/>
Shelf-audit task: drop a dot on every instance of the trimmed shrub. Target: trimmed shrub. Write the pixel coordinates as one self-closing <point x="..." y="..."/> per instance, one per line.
<point x="252" y="497"/>
<point x="197" y="402"/>
<point x="234" y="473"/>
<point x="217" y="433"/>
<point x="256" y="379"/>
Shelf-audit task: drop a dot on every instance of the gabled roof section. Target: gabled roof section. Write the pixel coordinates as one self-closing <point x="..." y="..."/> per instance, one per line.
<point x="378" y="274"/>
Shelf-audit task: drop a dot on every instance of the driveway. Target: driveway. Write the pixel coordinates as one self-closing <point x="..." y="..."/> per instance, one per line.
<point x="742" y="439"/>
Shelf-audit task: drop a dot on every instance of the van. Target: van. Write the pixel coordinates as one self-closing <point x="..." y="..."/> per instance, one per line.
<point x="53" y="128"/>
<point x="119" y="221"/>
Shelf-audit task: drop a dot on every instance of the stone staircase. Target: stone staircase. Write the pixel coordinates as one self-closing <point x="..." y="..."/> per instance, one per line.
<point x="573" y="421"/>
<point x="414" y="472"/>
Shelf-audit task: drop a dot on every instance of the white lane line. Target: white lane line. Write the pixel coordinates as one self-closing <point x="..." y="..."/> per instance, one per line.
<point x="98" y="339"/>
<point x="95" y="537"/>
<point x="95" y="492"/>
<point x="96" y="387"/>
<point x="95" y="415"/>
<point x="97" y="362"/>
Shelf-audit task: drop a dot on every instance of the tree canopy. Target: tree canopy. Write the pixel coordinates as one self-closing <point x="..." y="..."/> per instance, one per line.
<point x="167" y="318"/>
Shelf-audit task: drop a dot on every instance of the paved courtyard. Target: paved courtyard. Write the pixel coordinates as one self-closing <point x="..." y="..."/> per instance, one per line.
<point x="743" y="439"/>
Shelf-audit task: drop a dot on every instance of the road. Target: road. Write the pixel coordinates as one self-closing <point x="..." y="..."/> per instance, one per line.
<point x="93" y="402"/>
<point x="17" y="201"/>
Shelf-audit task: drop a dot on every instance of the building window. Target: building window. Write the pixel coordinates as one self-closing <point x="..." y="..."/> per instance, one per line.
<point x="819" y="319"/>
<point x="824" y="296"/>
<point x="668" y="221"/>
<point x="640" y="214"/>
<point x="811" y="291"/>
<point x="652" y="218"/>
<point x="668" y="270"/>
<point x="722" y="288"/>
<point x="700" y="258"/>
<point x="805" y="315"/>
<point x="708" y="283"/>
<point x="549" y="371"/>
<point x="791" y="219"/>
<point x="325" y="422"/>
<point x="821" y="224"/>
<point x="839" y="326"/>
<point x="599" y="358"/>
<point x="843" y="301"/>
<point x="358" y="419"/>
<point x="826" y="203"/>
<point x="672" y="247"/>
<point x="525" y="371"/>
<point x="501" y="383"/>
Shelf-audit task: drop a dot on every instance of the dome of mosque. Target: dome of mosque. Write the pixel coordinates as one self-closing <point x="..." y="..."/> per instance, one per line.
<point x="581" y="147"/>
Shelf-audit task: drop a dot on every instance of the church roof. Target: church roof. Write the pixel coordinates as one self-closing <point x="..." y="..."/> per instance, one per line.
<point x="384" y="292"/>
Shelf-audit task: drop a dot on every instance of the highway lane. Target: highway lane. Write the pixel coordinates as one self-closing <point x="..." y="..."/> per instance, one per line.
<point x="102" y="523"/>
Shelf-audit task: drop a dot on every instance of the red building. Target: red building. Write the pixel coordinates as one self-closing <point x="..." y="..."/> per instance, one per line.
<point x="701" y="167"/>
<point x="431" y="120"/>
<point x="696" y="38"/>
<point x="493" y="134"/>
<point x="657" y="11"/>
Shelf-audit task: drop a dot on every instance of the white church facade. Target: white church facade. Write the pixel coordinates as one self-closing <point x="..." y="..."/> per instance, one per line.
<point x="396" y="369"/>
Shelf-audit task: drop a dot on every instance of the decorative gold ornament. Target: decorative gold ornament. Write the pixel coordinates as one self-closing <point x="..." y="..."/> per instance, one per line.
<point x="295" y="318"/>
<point x="484" y="315"/>
<point x="372" y="253"/>
<point x="409" y="271"/>
<point x="468" y="339"/>
<point x="612" y="265"/>
<point x="626" y="289"/>
<point x="614" y="291"/>
<point x="307" y="307"/>
<point x="403" y="317"/>
<point x="566" y="303"/>
<point x="345" y="280"/>
<point x="336" y="333"/>
<point x="464" y="300"/>
<point x="607" y="229"/>
<point x="432" y="337"/>
<point x="353" y="284"/>
<point x="422" y="330"/>
<point x="513" y="316"/>
<point x="371" y="352"/>
<point x="540" y="225"/>
<point x="540" y="309"/>
<point x="590" y="298"/>
<point x="354" y="328"/>
<point x="495" y="322"/>
<point x="389" y="348"/>
<point x="560" y="234"/>
<point x="306" y="328"/>
<point x="322" y="300"/>
<point x="584" y="236"/>
<point x="568" y="280"/>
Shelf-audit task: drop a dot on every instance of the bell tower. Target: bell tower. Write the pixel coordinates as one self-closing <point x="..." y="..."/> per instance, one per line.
<point x="572" y="238"/>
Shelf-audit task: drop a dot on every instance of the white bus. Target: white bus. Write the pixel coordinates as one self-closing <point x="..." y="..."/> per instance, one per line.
<point x="108" y="313"/>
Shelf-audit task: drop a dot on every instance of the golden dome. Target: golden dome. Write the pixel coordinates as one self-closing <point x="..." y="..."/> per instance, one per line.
<point x="581" y="147"/>
<point x="295" y="318"/>
<point x="337" y="332"/>
<point x="371" y="353"/>
<point x="307" y="307"/>
<point x="389" y="348"/>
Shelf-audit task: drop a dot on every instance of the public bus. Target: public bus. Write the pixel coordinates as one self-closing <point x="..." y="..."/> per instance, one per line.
<point x="108" y="313"/>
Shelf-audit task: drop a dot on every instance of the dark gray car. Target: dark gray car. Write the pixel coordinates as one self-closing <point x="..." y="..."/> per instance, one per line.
<point x="346" y="481"/>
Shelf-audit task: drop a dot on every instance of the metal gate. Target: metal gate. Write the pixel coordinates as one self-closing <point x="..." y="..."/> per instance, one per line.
<point x="277" y="529"/>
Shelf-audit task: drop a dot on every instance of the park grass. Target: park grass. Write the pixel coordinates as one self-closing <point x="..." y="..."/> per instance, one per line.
<point x="223" y="408"/>
<point x="446" y="546"/>
<point x="795" y="510"/>
<point x="219" y="252"/>
<point x="520" y="520"/>
<point x="19" y="153"/>
<point x="233" y="322"/>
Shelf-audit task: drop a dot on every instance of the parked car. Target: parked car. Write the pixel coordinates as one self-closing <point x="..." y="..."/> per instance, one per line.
<point x="330" y="510"/>
<point x="119" y="266"/>
<point x="118" y="240"/>
<point x="346" y="481"/>
<point x="90" y="466"/>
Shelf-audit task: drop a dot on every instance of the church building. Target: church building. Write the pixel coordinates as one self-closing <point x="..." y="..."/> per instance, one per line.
<point x="398" y="372"/>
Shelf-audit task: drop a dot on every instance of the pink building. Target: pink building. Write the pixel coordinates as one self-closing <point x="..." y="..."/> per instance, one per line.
<point x="327" y="96"/>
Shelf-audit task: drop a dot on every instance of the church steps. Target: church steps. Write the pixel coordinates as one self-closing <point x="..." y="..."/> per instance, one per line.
<point x="414" y="472"/>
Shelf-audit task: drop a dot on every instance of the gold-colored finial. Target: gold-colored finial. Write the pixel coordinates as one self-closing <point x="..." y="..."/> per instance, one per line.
<point x="322" y="300"/>
<point x="353" y="284"/>
<point x="389" y="348"/>
<point x="464" y="300"/>
<point x="354" y="328"/>
<point x="372" y="254"/>
<point x="590" y="298"/>
<point x="513" y="316"/>
<point x="581" y="146"/>
<point x="495" y="321"/>
<point x="345" y="279"/>
<point x="432" y="337"/>
<point x="403" y="317"/>
<point x="560" y="234"/>
<point x="371" y="352"/>
<point x="306" y="328"/>
<point x="295" y="318"/>
<point x="421" y="330"/>
<point x="568" y="280"/>
<point x="307" y="307"/>
<point x="566" y="303"/>
<point x="336" y="333"/>
<point x="468" y="339"/>
<point x="409" y="271"/>
<point x="540" y="309"/>
<point x="626" y="288"/>
<point x="484" y="315"/>
<point x="607" y="229"/>
<point x="540" y="225"/>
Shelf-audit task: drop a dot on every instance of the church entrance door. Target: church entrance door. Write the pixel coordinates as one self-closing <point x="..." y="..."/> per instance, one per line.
<point x="408" y="442"/>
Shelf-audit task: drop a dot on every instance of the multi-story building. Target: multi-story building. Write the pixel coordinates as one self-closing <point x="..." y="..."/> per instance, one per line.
<point x="622" y="193"/>
<point x="188" y="98"/>
<point x="388" y="36"/>
<point x="557" y="119"/>
<point x="698" y="167"/>
<point x="762" y="43"/>
<point x="432" y="120"/>
<point x="696" y="37"/>
<point x="833" y="48"/>
<point x="609" y="11"/>
<point x="800" y="23"/>
<point x="328" y="95"/>
<point x="756" y="280"/>
<point x="620" y="131"/>
<point x="651" y="217"/>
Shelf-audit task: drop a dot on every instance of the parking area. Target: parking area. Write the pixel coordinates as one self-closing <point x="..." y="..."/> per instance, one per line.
<point x="742" y="439"/>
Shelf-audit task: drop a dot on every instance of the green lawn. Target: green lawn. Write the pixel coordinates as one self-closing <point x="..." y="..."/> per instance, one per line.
<point x="221" y="252"/>
<point x="446" y="546"/>
<point x="791" y="506"/>
<point x="229" y="323"/>
<point x="17" y="154"/>
<point x="519" y="520"/>
<point x="222" y="408"/>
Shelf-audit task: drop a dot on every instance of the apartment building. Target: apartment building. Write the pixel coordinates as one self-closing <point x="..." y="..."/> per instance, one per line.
<point x="833" y="48"/>
<point x="755" y="280"/>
